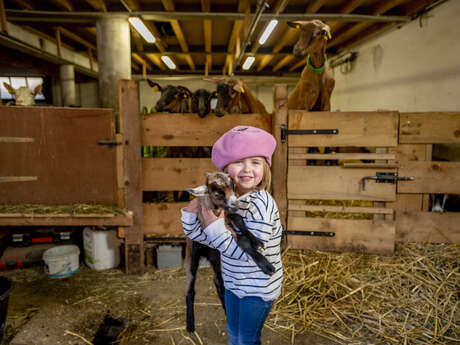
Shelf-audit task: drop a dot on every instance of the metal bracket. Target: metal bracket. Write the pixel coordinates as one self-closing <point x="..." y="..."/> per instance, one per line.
<point x="108" y="142"/>
<point x="285" y="132"/>
<point x="311" y="233"/>
<point x="385" y="177"/>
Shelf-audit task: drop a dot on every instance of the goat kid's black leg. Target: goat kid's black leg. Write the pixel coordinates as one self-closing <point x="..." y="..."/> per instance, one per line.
<point x="260" y="260"/>
<point x="214" y="259"/>
<point x="238" y="223"/>
<point x="192" y="269"/>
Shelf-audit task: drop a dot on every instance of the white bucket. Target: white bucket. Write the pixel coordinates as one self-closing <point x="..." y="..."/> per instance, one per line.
<point x="61" y="261"/>
<point x="101" y="249"/>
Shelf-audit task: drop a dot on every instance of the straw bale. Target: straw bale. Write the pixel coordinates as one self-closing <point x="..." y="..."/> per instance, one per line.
<point x="411" y="297"/>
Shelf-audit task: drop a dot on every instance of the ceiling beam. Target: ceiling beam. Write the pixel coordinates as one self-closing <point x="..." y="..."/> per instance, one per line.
<point x="4" y="26"/>
<point x="91" y="17"/>
<point x="169" y="6"/>
<point x="98" y="5"/>
<point x="63" y="4"/>
<point x="207" y="31"/>
<point x="74" y="37"/>
<point x="25" y="4"/>
<point x="353" y="30"/>
<point x="155" y="58"/>
<point x="234" y="36"/>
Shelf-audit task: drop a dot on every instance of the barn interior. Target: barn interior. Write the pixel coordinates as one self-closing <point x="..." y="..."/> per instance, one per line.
<point x="94" y="158"/>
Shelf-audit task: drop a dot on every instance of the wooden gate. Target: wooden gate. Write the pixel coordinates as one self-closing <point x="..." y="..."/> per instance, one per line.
<point x="374" y="188"/>
<point x="334" y="202"/>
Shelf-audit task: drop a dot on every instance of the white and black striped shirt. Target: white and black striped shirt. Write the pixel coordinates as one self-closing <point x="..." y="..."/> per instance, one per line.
<point x="241" y="275"/>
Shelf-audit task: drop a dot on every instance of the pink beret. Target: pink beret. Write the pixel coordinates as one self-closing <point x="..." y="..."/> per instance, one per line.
<point x="242" y="142"/>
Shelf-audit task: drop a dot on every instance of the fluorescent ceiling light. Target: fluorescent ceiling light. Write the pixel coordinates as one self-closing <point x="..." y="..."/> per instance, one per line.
<point x="248" y="63"/>
<point x="268" y="31"/>
<point x="167" y="60"/>
<point x="142" y="29"/>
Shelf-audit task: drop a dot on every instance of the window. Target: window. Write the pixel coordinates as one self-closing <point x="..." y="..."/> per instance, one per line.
<point x="16" y="82"/>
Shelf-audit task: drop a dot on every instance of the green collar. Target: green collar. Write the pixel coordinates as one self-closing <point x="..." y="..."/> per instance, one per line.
<point x="315" y="70"/>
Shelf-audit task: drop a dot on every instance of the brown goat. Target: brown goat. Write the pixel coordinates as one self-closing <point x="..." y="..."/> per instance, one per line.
<point x="313" y="90"/>
<point x="234" y="97"/>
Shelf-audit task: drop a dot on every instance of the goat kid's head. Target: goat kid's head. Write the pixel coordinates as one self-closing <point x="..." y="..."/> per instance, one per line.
<point x="313" y="37"/>
<point x="23" y="95"/>
<point x="220" y="189"/>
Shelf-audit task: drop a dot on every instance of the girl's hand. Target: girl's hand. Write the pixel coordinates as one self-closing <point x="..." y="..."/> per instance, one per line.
<point x="209" y="216"/>
<point x="192" y="206"/>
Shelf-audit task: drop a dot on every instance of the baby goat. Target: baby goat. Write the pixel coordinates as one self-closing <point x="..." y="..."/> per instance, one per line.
<point x="217" y="194"/>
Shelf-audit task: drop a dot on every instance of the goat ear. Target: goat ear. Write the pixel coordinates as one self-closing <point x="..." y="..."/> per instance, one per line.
<point x="9" y="88"/>
<point x="155" y="86"/>
<point x="198" y="191"/>
<point x="38" y="89"/>
<point x="295" y="25"/>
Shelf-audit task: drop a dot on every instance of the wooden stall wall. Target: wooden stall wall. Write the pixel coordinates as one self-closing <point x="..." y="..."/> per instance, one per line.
<point x="177" y="174"/>
<point x="70" y="166"/>
<point x="417" y="133"/>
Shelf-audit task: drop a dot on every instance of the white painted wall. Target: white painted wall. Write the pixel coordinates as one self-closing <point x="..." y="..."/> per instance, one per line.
<point x="414" y="68"/>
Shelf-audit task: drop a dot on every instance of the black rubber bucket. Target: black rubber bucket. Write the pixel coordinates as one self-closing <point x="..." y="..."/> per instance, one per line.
<point x="6" y="286"/>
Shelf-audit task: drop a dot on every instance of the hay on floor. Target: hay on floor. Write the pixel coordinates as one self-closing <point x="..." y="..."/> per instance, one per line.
<point x="411" y="297"/>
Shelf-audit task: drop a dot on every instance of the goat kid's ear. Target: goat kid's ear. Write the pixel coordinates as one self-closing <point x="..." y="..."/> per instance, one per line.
<point x="198" y="191"/>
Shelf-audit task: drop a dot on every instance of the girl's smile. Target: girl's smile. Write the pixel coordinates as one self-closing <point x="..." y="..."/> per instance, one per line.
<point x="247" y="173"/>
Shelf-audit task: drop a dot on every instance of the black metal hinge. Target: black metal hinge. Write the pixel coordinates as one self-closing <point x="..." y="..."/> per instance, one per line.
<point x="285" y="132"/>
<point x="110" y="142"/>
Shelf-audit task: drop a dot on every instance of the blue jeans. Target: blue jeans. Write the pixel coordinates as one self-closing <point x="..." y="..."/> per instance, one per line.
<point x="245" y="318"/>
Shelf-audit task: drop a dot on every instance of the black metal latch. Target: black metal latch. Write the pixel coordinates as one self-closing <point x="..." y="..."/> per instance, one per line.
<point x="285" y="132"/>
<point x="110" y="142"/>
<point x="385" y="177"/>
<point x="311" y="233"/>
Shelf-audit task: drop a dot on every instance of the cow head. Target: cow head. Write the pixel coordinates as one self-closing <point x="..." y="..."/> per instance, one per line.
<point x="23" y="95"/>
<point x="313" y="37"/>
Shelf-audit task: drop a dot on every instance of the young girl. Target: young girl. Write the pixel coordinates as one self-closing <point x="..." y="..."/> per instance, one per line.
<point x="245" y="153"/>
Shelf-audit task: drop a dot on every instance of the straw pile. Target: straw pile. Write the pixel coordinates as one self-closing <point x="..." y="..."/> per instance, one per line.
<point x="411" y="297"/>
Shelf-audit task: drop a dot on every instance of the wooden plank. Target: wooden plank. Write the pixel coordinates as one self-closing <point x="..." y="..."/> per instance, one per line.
<point x="428" y="227"/>
<point x="430" y="177"/>
<point x="191" y="130"/>
<point x="350" y="235"/>
<point x="130" y="126"/>
<point x="336" y="183"/>
<point x="339" y="209"/>
<point x="344" y="156"/>
<point x="409" y="152"/>
<point x="430" y="128"/>
<point x="355" y="128"/>
<point x="406" y="202"/>
<point x="167" y="174"/>
<point x="370" y="165"/>
<point x="280" y="163"/>
<point x="65" y="220"/>
<point x="163" y="219"/>
<point x="69" y="164"/>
